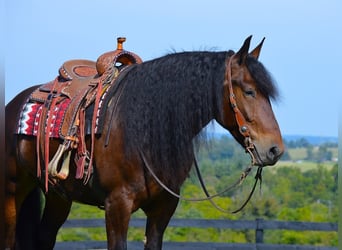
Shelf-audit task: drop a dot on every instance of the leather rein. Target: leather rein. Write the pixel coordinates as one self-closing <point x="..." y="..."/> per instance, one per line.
<point x="248" y="144"/>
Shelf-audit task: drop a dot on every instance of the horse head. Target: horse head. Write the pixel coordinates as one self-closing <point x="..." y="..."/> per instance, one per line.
<point x="247" y="111"/>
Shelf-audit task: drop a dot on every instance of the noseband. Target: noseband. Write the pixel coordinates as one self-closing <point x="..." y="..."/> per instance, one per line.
<point x="239" y="118"/>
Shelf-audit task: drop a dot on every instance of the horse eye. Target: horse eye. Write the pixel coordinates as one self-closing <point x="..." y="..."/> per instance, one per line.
<point x="250" y="92"/>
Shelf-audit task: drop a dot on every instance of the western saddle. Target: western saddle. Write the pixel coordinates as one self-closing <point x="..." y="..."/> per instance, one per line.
<point x="81" y="82"/>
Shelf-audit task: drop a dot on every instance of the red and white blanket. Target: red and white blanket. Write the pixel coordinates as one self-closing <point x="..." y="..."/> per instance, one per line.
<point x="30" y="115"/>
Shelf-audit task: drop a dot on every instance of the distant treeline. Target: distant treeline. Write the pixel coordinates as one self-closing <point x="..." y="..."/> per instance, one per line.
<point x="304" y="142"/>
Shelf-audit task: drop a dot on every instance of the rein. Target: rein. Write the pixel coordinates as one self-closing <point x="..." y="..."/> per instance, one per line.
<point x="208" y="197"/>
<point x="249" y="146"/>
<point x="241" y="179"/>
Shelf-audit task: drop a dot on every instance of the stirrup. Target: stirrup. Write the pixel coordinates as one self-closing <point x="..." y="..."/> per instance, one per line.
<point x="53" y="164"/>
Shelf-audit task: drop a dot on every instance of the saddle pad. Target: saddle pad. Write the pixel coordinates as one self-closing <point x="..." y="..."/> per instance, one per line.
<point x="30" y="115"/>
<point x="31" y="111"/>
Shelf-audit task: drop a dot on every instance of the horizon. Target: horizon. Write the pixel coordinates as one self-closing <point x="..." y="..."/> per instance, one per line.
<point x="216" y="128"/>
<point x="313" y="139"/>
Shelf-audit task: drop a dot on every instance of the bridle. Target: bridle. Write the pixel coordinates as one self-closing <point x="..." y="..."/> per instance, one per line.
<point x="239" y="118"/>
<point x="248" y="144"/>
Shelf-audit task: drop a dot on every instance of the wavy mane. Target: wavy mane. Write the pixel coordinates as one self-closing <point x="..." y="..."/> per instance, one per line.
<point x="166" y="103"/>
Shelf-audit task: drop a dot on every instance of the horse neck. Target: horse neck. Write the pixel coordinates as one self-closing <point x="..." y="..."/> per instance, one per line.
<point x="168" y="101"/>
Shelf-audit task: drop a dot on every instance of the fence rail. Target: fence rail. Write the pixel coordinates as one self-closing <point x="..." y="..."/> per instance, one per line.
<point x="259" y="225"/>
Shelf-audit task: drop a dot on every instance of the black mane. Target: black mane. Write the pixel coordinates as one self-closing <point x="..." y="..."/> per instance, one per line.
<point x="167" y="101"/>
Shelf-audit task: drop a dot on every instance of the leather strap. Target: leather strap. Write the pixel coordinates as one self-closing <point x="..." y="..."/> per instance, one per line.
<point x="93" y="127"/>
<point x="239" y="118"/>
<point x="208" y="196"/>
<point x="44" y="128"/>
<point x="82" y="155"/>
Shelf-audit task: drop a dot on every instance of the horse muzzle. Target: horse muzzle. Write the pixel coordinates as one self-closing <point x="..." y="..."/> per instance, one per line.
<point x="266" y="156"/>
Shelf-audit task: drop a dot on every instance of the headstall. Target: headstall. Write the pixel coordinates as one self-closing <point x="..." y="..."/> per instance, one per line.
<point x="240" y="119"/>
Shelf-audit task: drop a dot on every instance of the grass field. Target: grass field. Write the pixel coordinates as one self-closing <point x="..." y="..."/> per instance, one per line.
<point x="304" y="165"/>
<point x="298" y="154"/>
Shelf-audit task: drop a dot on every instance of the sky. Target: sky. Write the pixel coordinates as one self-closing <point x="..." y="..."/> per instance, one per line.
<point x="302" y="49"/>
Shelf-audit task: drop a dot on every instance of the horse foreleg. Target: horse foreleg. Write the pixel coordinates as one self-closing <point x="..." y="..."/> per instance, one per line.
<point x="159" y="213"/>
<point x="118" y="213"/>
<point x="56" y="211"/>
<point x="10" y="221"/>
<point x="18" y="187"/>
<point x="29" y="220"/>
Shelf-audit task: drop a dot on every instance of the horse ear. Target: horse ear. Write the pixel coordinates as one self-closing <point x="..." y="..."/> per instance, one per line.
<point x="243" y="51"/>
<point x="256" y="52"/>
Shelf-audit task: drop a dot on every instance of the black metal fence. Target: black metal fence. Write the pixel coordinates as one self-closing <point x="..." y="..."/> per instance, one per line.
<point x="259" y="225"/>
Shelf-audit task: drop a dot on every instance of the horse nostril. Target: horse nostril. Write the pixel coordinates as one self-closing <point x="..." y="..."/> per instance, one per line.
<point x="274" y="153"/>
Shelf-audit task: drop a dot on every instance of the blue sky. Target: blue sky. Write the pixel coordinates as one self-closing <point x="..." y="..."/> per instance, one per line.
<point x="302" y="49"/>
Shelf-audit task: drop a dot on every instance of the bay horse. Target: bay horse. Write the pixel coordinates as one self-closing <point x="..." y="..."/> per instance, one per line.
<point x="162" y="107"/>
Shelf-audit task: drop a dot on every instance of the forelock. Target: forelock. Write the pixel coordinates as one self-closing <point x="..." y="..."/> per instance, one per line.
<point x="265" y="83"/>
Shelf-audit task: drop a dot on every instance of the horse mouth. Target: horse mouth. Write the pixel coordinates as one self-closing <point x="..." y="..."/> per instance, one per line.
<point x="269" y="158"/>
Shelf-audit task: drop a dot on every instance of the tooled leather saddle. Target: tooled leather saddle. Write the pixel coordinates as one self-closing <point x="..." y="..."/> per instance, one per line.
<point x="80" y="83"/>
